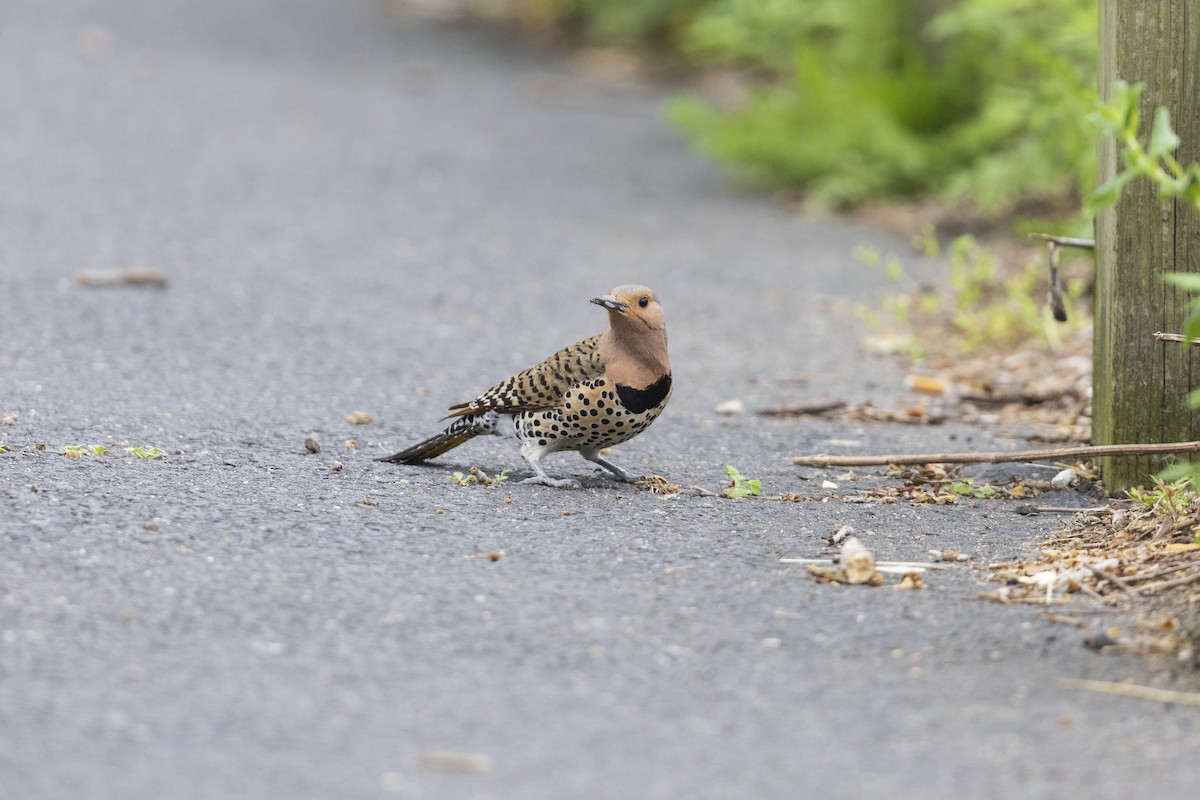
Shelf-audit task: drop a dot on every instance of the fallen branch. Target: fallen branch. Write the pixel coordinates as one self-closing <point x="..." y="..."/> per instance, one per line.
<point x="1130" y="690"/>
<point x="1095" y="451"/>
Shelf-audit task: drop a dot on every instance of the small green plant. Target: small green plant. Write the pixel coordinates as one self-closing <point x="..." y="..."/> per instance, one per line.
<point x="78" y="450"/>
<point x="478" y="476"/>
<point x="1170" y="498"/>
<point x="967" y="488"/>
<point x="739" y="485"/>
<point x="3" y="449"/>
<point x="144" y="452"/>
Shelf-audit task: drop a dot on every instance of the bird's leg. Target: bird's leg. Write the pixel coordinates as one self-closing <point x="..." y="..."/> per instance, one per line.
<point x="540" y="478"/>
<point x="617" y="472"/>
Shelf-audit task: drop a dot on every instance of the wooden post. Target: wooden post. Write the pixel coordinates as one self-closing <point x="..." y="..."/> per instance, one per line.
<point x="1140" y="384"/>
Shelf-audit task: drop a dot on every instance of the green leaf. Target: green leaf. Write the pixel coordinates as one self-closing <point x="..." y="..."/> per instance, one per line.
<point x="1125" y="101"/>
<point x="1106" y="196"/>
<point x="1192" y="329"/>
<point x="1162" y="138"/>
<point x="1184" y="471"/>
<point x="1188" y="281"/>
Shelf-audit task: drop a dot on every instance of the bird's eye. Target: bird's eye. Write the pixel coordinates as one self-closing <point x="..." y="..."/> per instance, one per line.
<point x="643" y="301"/>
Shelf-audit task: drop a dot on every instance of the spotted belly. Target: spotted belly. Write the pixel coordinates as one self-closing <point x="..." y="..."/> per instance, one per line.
<point x="592" y="416"/>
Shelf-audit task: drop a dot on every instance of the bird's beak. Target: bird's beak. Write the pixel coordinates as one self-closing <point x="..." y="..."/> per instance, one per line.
<point x="610" y="302"/>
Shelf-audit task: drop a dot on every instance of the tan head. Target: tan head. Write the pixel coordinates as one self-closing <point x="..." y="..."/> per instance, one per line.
<point x="632" y="306"/>
<point x="635" y="346"/>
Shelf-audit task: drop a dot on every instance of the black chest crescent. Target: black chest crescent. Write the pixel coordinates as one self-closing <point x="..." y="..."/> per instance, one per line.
<point x="639" y="401"/>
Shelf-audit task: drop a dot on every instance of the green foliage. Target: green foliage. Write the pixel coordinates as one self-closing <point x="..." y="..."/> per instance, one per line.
<point x="986" y="308"/>
<point x="86" y="449"/>
<point x="740" y="486"/>
<point x="629" y="22"/>
<point x="144" y="452"/>
<point x="983" y="99"/>
<point x="1170" y="496"/>
<point x="1120" y="118"/>
<point x="477" y="476"/>
<point x="967" y="488"/>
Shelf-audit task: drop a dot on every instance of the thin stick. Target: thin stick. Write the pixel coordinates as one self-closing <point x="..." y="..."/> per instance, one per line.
<point x="1150" y="588"/>
<point x="998" y="458"/>
<point x="1065" y="241"/>
<point x="1130" y="690"/>
<point x="1115" y="580"/>
<point x="1175" y="337"/>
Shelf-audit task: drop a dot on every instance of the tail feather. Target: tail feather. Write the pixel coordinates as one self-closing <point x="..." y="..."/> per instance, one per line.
<point x="454" y="435"/>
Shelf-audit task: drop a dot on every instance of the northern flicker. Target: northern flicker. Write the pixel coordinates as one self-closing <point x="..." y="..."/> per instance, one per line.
<point x="594" y="394"/>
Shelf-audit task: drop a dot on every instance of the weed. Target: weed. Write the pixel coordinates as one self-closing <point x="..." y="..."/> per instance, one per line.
<point x="1165" y="498"/>
<point x="144" y="452"/>
<point x="740" y="486"/>
<point x="477" y="476"/>
<point x="967" y="488"/>
<point x="77" y="450"/>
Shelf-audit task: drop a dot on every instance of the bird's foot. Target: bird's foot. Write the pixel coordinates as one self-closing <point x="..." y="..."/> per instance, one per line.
<point x="618" y="474"/>
<point x="557" y="483"/>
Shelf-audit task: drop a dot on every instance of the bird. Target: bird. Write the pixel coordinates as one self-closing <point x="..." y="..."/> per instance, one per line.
<point x="594" y="394"/>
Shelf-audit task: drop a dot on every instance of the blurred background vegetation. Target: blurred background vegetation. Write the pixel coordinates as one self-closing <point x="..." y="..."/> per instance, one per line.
<point x="982" y="102"/>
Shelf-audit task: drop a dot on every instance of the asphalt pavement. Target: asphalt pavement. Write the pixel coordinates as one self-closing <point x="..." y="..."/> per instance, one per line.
<point x="360" y="211"/>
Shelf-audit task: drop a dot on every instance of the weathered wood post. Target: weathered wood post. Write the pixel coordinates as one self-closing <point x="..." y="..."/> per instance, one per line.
<point x="1140" y="385"/>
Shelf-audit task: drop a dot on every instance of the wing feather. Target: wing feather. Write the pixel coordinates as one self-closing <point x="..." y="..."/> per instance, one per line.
<point x="542" y="386"/>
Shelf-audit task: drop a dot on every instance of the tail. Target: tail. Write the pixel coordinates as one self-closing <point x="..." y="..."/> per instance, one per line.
<point x="458" y="432"/>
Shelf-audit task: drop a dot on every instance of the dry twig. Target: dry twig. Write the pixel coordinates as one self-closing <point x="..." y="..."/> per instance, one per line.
<point x="1096" y="451"/>
<point x="1130" y="690"/>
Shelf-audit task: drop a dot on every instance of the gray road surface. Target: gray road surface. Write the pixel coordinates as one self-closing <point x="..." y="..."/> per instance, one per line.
<point x="359" y="212"/>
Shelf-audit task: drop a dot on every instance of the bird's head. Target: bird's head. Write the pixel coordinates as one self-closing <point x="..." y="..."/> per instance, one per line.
<point x="632" y="307"/>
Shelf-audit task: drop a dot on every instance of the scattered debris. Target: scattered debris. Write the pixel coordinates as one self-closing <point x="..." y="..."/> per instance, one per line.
<point x="455" y="761"/>
<point x="10" y="418"/>
<point x="729" y="407"/>
<point x="336" y="466"/>
<point x="311" y="444"/>
<point x="947" y="555"/>
<point x="359" y="418"/>
<point x="840" y="535"/>
<point x="658" y="485"/>
<point x="856" y="566"/>
<point x="134" y="276"/>
<point x="926" y="384"/>
<point x="477" y="476"/>
<point x="367" y="501"/>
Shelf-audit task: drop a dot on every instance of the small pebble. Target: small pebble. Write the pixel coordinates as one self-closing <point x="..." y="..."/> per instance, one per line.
<point x="1064" y="479"/>
<point x="730" y="407"/>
